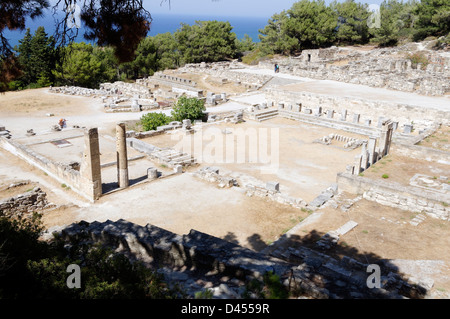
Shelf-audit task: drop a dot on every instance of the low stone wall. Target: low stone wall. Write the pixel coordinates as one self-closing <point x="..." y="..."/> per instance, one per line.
<point x="396" y="195"/>
<point x="63" y="173"/>
<point x="29" y="202"/>
<point x="329" y="122"/>
<point x="370" y="109"/>
<point x="386" y="68"/>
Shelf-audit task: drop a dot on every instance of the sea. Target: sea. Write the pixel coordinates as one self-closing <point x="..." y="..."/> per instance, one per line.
<point x="161" y="23"/>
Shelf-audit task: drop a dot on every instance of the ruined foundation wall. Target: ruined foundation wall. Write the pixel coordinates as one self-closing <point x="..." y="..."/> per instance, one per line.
<point x="369" y="109"/>
<point x="396" y="195"/>
<point x="62" y="173"/>
<point x="29" y="202"/>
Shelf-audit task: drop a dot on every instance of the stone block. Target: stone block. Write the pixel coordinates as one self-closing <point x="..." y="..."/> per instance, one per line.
<point x="178" y="169"/>
<point x="330" y="114"/>
<point x="152" y="173"/>
<point x="318" y="111"/>
<point x="273" y="186"/>
<point x="408" y="129"/>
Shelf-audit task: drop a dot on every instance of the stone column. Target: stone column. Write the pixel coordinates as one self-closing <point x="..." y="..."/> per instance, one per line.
<point x="357" y="169"/>
<point x="122" y="160"/>
<point x="365" y="156"/>
<point x="386" y="137"/>
<point x="371" y="148"/>
<point x="90" y="169"/>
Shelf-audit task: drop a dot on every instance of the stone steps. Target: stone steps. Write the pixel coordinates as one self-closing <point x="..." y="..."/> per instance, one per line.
<point x="266" y="115"/>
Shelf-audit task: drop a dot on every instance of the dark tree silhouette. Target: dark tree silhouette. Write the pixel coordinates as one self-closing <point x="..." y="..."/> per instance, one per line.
<point x="121" y="24"/>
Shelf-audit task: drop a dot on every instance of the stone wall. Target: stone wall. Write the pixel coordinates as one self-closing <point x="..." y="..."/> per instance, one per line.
<point x="225" y="72"/>
<point x="62" y="173"/>
<point x="368" y="109"/>
<point x="29" y="202"/>
<point x="385" y="68"/>
<point x="396" y="195"/>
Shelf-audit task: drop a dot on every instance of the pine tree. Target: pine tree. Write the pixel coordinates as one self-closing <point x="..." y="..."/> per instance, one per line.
<point x="37" y="57"/>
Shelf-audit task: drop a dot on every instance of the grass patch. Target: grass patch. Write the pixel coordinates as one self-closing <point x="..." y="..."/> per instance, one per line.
<point x="365" y="232"/>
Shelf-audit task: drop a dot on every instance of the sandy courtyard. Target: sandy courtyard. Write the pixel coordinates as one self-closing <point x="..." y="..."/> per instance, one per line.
<point x="302" y="167"/>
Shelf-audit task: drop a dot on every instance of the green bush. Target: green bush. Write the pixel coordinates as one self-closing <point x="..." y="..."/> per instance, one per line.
<point x="188" y="108"/>
<point x="151" y="121"/>
<point x="30" y="268"/>
<point x="416" y="58"/>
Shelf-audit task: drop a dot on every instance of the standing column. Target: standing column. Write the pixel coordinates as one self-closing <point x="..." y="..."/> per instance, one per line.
<point x="90" y="169"/>
<point x="371" y="146"/>
<point x="386" y="137"/>
<point x="122" y="160"/>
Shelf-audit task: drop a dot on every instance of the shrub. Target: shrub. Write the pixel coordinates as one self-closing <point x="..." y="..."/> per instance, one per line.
<point x="151" y="121"/>
<point x="30" y="268"/>
<point x="188" y="108"/>
<point x="417" y="58"/>
<point x="385" y="176"/>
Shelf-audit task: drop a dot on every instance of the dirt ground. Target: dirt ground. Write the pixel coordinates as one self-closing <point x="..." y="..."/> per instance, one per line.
<point x="303" y="168"/>
<point x="183" y="202"/>
<point x="382" y="233"/>
<point x="439" y="140"/>
<point x="401" y="169"/>
<point x="208" y="83"/>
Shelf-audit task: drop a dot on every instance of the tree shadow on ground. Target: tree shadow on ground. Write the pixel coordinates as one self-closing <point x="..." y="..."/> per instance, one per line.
<point x="342" y="270"/>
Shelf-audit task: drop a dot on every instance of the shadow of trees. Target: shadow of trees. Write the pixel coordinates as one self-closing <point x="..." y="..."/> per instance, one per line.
<point x="342" y="269"/>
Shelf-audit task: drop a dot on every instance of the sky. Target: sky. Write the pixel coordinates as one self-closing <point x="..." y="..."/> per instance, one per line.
<point x="250" y="8"/>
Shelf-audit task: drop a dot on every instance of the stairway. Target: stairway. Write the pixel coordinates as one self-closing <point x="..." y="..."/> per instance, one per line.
<point x="265" y="114"/>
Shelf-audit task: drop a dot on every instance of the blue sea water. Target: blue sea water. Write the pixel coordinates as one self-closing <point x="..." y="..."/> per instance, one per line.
<point x="161" y="23"/>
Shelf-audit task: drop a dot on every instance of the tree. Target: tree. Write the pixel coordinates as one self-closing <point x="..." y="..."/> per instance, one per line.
<point x="79" y="66"/>
<point x="245" y="44"/>
<point x="168" y="55"/>
<point x="275" y="37"/>
<point x="110" y="22"/>
<point x="352" y="21"/>
<point x="307" y="24"/>
<point x="390" y="24"/>
<point x="206" y="41"/>
<point x="188" y="108"/>
<point x="433" y="18"/>
<point x="37" y="56"/>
